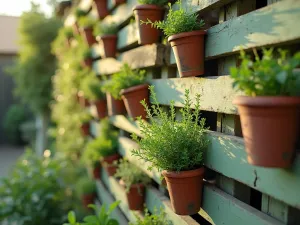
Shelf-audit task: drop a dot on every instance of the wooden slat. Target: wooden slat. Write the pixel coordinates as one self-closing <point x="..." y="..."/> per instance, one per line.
<point x="271" y="25"/>
<point x="106" y="66"/>
<point x="127" y="36"/>
<point x="128" y="125"/>
<point x="205" y="5"/>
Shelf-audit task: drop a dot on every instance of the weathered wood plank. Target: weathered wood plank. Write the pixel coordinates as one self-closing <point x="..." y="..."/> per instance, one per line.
<point x="127" y="36"/>
<point x="205" y="5"/>
<point x="216" y="92"/>
<point x="106" y="66"/>
<point x="123" y="123"/>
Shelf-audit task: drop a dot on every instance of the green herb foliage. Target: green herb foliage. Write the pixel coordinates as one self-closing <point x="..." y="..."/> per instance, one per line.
<point x="79" y="13"/>
<point x="126" y="78"/>
<point x="86" y="22"/>
<point x="68" y="32"/>
<point x="153" y="2"/>
<point x="154" y="219"/>
<point x="178" y="21"/>
<point x="105" y="29"/>
<point x="170" y="144"/>
<point x="91" y="87"/>
<point x="102" y="216"/>
<point x="267" y="75"/>
<point x="85" y="186"/>
<point x="131" y="174"/>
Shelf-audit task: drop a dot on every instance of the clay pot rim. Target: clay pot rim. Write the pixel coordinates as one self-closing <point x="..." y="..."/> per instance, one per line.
<point x="113" y="157"/>
<point x="133" y="89"/>
<point x="184" y="174"/>
<point x="109" y="36"/>
<point x="186" y="34"/>
<point x="263" y="101"/>
<point x="148" y="7"/>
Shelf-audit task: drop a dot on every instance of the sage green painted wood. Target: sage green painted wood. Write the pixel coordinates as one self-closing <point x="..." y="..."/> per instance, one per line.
<point x="106" y="199"/>
<point x="274" y="208"/>
<point x="271" y="25"/>
<point x="272" y="1"/>
<point x="216" y="93"/>
<point x="128" y="36"/>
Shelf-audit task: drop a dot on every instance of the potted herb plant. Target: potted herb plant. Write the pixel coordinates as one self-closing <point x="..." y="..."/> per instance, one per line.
<point x="101" y="6"/>
<point x="177" y="147"/>
<point x="87" y="57"/>
<point x="87" y="25"/>
<point x="152" y="219"/>
<point x="184" y="33"/>
<point x="78" y="14"/>
<point x="134" y="181"/>
<point x="270" y="111"/>
<point x="92" y="91"/>
<point x="86" y="190"/>
<point x="148" y="10"/>
<point x="130" y="86"/>
<point x="107" y="33"/>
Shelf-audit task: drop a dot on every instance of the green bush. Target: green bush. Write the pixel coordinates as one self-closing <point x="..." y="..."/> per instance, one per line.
<point x="170" y="144"/>
<point x="91" y="87"/>
<point x="178" y="21"/>
<point x="131" y="174"/>
<point x="267" y="75"/>
<point x="153" y="2"/>
<point x="154" y="219"/>
<point x="126" y="78"/>
<point x="13" y="119"/>
<point x="105" y="28"/>
<point x="85" y="186"/>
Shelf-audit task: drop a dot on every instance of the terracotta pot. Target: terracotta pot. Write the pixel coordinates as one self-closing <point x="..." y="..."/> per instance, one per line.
<point x="107" y="163"/>
<point x="88" y="62"/>
<point x="101" y="6"/>
<point x="76" y="29"/>
<point x="118" y="2"/>
<point x="136" y="196"/>
<point x="270" y="128"/>
<point x="185" y="189"/>
<point x="111" y="170"/>
<point x="115" y="107"/>
<point x="101" y="108"/>
<point x="110" y="159"/>
<point x="132" y="98"/>
<point x="148" y="34"/>
<point x="85" y="129"/>
<point x="188" y="49"/>
<point x="88" y="199"/>
<point x="110" y="45"/>
<point x="97" y="172"/>
<point x="89" y="36"/>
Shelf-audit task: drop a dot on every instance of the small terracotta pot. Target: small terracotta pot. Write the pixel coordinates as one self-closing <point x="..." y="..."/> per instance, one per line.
<point x="110" y="45"/>
<point x="188" y="48"/>
<point x="148" y="34"/>
<point x="88" y="199"/>
<point x="88" y="62"/>
<point x="85" y="129"/>
<point x="115" y="107"/>
<point x="76" y="29"/>
<point x="101" y="108"/>
<point x="102" y="9"/>
<point x="97" y="172"/>
<point x="107" y="163"/>
<point x="118" y="2"/>
<point x="89" y="36"/>
<point x="135" y="196"/>
<point x="185" y="189"/>
<point x="270" y="128"/>
<point x="132" y="98"/>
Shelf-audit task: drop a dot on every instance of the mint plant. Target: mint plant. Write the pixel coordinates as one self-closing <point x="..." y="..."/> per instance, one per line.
<point x="170" y="144"/>
<point x="153" y="2"/>
<point x="178" y="21"/>
<point x="267" y="75"/>
<point x="126" y="78"/>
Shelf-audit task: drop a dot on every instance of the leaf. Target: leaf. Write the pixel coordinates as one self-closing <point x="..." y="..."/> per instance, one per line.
<point x="112" y="222"/>
<point x="72" y="217"/>
<point x="90" y="219"/>
<point x="113" y="206"/>
<point x="281" y="77"/>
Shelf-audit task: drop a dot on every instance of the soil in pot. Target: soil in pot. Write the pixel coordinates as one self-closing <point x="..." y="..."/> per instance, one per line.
<point x="85" y="129"/>
<point x="270" y="127"/>
<point x="88" y="199"/>
<point x="188" y="49"/>
<point x="101" y="6"/>
<point x="89" y="37"/>
<point x="108" y="164"/>
<point x="147" y="33"/>
<point x="101" y="108"/>
<point x="109" y="45"/>
<point x="132" y="98"/>
<point x="185" y="189"/>
<point x="115" y="107"/>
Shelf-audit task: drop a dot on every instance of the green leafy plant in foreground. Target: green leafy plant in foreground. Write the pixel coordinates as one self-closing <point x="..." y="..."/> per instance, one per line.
<point x="131" y="174"/>
<point x="170" y="144"/>
<point x="153" y="2"/>
<point x="267" y="75"/>
<point x="178" y="21"/>
<point x="102" y="216"/>
<point x="126" y="78"/>
<point x="152" y="219"/>
<point x="105" y="28"/>
<point x="91" y="87"/>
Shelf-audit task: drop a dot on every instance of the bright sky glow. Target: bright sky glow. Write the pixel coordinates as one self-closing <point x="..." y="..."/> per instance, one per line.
<point x="16" y="7"/>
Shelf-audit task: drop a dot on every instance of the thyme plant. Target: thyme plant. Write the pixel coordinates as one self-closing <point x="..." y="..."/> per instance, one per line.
<point x="170" y="144"/>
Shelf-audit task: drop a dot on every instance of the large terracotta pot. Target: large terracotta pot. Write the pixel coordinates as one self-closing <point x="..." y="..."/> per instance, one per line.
<point x="85" y="129"/>
<point x="147" y="33"/>
<point x="185" y="189"/>
<point x="89" y="36"/>
<point x="135" y="196"/>
<point x="188" y="49"/>
<point x="102" y="9"/>
<point x="270" y="128"/>
<point x="114" y="106"/>
<point x="88" y="199"/>
<point x="97" y="172"/>
<point x="132" y="98"/>
<point x="107" y="163"/>
<point x="101" y="108"/>
<point x="110" y="45"/>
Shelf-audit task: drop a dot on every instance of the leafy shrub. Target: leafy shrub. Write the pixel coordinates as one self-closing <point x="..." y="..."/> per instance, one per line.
<point x="85" y="186"/>
<point x="154" y="219"/>
<point x="269" y="75"/>
<point x="13" y="119"/>
<point x="153" y="2"/>
<point x="102" y="216"/>
<point x="131" y="174"/>
<point x="68" y="32"/>
<point x="36" y="191"/>
<point x="124" y="79"/>
<point x="79" y="13"/>
<point x="91" y="87"/>
<point x="170" y="144"/>
<point x="105" y="28"/>
<point x="178" y="21"/>
<point x="86" y="22"/>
